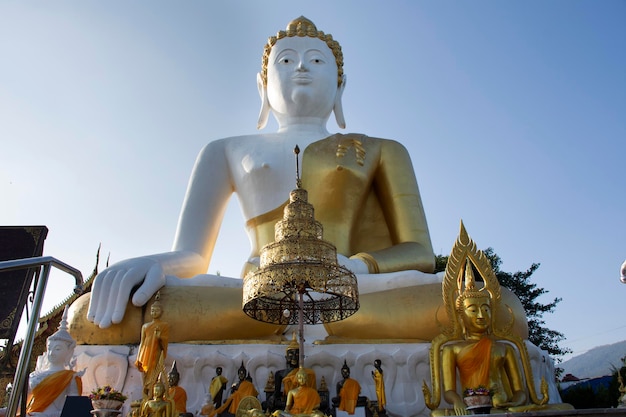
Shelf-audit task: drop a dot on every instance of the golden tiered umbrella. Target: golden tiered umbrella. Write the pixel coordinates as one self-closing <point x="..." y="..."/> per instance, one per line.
<point x="299" y="272"/>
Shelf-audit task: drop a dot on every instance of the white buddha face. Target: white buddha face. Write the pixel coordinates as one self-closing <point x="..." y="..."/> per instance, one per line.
<point x="301" y="78"/>
<point x="58" y="353"/>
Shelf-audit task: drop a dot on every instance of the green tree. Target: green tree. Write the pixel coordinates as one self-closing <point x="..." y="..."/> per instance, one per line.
<point x="528" y="293"/>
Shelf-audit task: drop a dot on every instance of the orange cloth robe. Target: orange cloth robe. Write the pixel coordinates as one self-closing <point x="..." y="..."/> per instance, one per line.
<point x="150" y="347"/>
<point x="246" y="389"/>
<point x="180" y="399"/>
<point x="473" y="363"/>
<point x="305" y="401"/>
<point x="291" y="380"/>
<point x="349" y="395"/>
<point x="50" y="388"/>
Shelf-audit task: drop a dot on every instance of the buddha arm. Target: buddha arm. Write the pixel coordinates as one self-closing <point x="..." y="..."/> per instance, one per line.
<point x="208" y="192"/>
<point x="449" y="380"/>
<point x="515" y="377"/>
<point x="399" y="197"/>
<point x="289" y="402"/>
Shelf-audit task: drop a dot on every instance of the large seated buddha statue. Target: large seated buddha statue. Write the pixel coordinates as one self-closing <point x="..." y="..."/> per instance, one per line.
<point x="364" y="192"/>
<point x="477" y="349"/>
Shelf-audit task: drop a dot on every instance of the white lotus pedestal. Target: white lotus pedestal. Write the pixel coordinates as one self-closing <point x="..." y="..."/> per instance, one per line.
<point x="405" y="366"/>
<point x="106" y="408"/>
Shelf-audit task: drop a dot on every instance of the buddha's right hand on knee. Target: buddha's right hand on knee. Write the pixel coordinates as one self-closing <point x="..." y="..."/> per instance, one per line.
<point x="112" y="287"/>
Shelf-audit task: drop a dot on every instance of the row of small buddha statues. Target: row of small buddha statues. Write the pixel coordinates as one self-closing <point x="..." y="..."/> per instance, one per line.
<point x="291" y="391"/>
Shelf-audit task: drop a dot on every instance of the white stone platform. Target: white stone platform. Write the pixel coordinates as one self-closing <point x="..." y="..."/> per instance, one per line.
<point x="405" y="366"/>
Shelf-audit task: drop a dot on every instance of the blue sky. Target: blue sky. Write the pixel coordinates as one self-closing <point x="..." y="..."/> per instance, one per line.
<point x="513" y="113"/>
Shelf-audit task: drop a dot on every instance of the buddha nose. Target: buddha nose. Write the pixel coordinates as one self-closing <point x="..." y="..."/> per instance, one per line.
<point x="301" y="66"/>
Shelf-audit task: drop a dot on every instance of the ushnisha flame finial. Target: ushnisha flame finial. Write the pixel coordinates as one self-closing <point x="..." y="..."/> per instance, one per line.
<point x="296" y="151"/>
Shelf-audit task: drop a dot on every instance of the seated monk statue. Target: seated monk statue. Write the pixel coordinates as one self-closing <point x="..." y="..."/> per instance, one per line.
<point x="364" y="192"/>
<point x="348" y="391"/>
<point x="286" y="379"/>
<point x="53" y="378"/>
<point x="176" y="392"/>
<point x="242" y="389"/>
<point x="159" y="405"/>
<point x="474" y="350"/>
<point x="302" y="399"/>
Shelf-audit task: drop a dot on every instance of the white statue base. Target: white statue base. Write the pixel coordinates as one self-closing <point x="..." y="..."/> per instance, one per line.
<point x="405" y="366"/>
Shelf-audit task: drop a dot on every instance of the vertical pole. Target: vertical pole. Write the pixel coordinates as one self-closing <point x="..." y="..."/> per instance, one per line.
<point x="27" y="345"/>
<point x="301" y="328"/>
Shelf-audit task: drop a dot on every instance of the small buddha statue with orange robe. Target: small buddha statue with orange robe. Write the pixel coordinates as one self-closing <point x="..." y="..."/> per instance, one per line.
<point x="176" y="392"/>
<point x="348" y="391"/>
<point x="303" y="399"/>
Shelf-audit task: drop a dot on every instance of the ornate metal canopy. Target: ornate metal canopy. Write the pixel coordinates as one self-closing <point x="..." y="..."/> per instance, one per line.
<point x="299" y="273"/>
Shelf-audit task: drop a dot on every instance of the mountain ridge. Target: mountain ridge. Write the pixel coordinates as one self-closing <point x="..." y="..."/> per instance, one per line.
<point x="596" y="362"/>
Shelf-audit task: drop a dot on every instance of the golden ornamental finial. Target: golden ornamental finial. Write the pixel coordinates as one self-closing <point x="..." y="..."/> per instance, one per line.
<point x="293" y="345"/>
<point x="157" y="300"/>
<point x="296" y="151"/>
<point x="470" y="290"/>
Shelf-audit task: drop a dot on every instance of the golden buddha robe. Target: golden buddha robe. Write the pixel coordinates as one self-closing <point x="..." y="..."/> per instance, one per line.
<point x="379" y="383"/>
<point x="349" y="395"/>
<point x="365" y="194"/>
<point x="291" y="380"/>
<point x="180" y="399"/>
<point x="473" y="362"/>
<point x="305" y="400"/>
<point x="151" y="346"/>
<point x="50" y="388"/>
<point x="246" y="389"/>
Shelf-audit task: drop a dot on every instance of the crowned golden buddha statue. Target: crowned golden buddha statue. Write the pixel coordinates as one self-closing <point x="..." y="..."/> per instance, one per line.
<point x="364" y="192"/>
<point x="478" y="350"/>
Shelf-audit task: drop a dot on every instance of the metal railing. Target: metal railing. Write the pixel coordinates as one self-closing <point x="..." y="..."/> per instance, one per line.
<point x="45" y="262"/>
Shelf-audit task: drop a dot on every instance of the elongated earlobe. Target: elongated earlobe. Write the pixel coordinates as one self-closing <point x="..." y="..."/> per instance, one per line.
<point x="338" y="107"/>
<point x="265" y="104"/>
